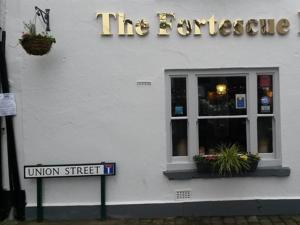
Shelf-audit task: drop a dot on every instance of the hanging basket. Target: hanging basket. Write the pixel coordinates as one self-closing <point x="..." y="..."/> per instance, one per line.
<point x="37" y="44"/>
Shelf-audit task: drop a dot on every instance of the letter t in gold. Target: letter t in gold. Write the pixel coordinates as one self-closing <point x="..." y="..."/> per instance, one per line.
<point x="106" y="23"/>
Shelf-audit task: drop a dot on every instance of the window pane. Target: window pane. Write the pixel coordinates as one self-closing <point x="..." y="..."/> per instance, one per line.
<point x="178" y="92"/>
<point x="264" y="94"/>
<point x="179" y="137"/>
<point x="214" y="132"/>
<point x="222" y="96"/>
<point x="265" y="134"/>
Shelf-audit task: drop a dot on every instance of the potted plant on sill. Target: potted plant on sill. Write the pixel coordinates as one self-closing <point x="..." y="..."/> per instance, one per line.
<point x="33" y="43"/>
<point x="253" y="160"/>
<point x="205" y="163"/>
<point x="228" y="162"/>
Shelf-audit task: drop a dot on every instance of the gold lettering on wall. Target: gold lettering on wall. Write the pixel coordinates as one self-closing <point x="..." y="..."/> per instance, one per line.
<point x="106" y="22"/>
<point x="129" y="24"/>
<point x="251" y="27"/>
<point x="238" y="26"/>
<point x="142" y="27"/>
<point x="165" y="23"/>
<point x="123" y="24"/>
<point x="282" y="26"/>
<point x="225" y="27"/>
<point x="198" y="24"/>
<point x="184" y="27"/>
<point x="212" y="28"/>
<point x="267" y="27"/>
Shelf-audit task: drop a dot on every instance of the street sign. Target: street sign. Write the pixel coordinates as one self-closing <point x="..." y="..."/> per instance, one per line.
<point x="69" y="170"/>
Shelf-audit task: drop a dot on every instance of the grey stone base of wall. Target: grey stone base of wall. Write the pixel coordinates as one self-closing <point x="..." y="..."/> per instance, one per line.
<point x="211" y="208"/>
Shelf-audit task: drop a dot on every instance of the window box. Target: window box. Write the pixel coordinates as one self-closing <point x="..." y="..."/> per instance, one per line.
<point x="228" y="162"/>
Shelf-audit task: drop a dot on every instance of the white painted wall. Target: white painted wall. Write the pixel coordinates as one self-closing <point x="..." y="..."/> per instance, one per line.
<point x="80" y="103"/>
<point x="2" y="13"/>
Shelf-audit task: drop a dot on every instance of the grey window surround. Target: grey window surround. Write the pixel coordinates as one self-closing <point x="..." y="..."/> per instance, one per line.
<point x="185" y="163"/>
<point x="260" y="172"/>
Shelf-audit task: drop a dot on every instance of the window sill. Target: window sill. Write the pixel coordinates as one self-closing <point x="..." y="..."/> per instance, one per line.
<point x="260" y="172"/>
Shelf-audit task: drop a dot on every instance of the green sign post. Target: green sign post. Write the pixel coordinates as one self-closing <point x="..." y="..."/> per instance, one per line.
<point x="39" y="172"/>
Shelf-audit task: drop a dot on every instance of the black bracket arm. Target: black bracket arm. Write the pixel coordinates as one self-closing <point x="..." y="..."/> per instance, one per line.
<point x="45" y="16"/>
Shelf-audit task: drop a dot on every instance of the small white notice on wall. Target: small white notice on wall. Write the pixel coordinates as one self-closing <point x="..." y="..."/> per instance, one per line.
<point x="7" y="104"/>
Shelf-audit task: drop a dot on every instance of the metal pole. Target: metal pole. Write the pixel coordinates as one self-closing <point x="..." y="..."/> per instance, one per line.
<point x="39" y="199"/>
<point x="18" y="195"/>
<point x="1" y="182"/>
<point x="103" y="205"/>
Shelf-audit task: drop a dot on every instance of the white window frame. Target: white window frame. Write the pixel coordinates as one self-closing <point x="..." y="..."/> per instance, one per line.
<point x="191" y="75"/>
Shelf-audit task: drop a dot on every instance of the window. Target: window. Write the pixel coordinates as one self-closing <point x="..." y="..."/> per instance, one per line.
<point x="208" y="108"/>
<point x="179" y="116"/>
<point x="222" y="112"/>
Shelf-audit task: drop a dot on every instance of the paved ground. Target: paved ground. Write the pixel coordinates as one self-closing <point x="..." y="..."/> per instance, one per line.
<point x="240" y="220"/>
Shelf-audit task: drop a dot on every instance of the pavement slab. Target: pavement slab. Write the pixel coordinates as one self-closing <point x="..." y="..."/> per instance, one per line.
<point x="229" y="220"/>
<point x="266" y="222"/>
<point x="275" y="219"/>
<point x="289" y="222"/>
<point x="252" y="219"/>
<point x="296" y="218"/>
<point x="225" y="220"/>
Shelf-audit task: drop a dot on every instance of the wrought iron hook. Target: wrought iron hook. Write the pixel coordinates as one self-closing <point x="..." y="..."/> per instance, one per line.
<point x="45" y="16"/>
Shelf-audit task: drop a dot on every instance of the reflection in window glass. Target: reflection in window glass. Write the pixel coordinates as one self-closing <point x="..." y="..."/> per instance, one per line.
<point x="178" y="93"/>
<point x="179" y="137"/>
<point x="264" y="94"/>
<point x="214" y="132"/>
<point x="264" y="134"/>
<point x="222" y="96"/>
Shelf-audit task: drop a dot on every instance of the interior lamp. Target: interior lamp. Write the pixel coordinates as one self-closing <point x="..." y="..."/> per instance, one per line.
<point x="221" y="89"/>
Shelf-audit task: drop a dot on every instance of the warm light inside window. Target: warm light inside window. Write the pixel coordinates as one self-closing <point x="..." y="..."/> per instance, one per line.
<point x="270" y="94"/>
<point x="221" y="89"/>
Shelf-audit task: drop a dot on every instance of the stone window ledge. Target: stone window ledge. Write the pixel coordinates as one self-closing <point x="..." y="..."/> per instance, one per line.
<point x="260" y="172"/>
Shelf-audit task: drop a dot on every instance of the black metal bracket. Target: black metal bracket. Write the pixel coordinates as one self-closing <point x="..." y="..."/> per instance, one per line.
<point x="45" y="16"/>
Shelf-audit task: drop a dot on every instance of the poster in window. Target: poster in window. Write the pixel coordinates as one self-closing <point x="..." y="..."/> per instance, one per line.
<point x="265" y="104"/>
<point x="240" y="101"/>
<point x="178" y="110"/>
<point x="264" y="81"/>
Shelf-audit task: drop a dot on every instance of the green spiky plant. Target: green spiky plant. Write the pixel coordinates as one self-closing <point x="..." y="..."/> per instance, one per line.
<point x="229" y="161"/>
<point x="30" y="27"/>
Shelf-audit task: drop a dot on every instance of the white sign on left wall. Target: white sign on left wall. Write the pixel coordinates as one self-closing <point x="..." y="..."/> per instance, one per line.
<point x="8" y="104"/>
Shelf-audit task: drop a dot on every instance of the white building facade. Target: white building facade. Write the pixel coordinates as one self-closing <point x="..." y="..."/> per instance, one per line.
<point x="100" y="95"/>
